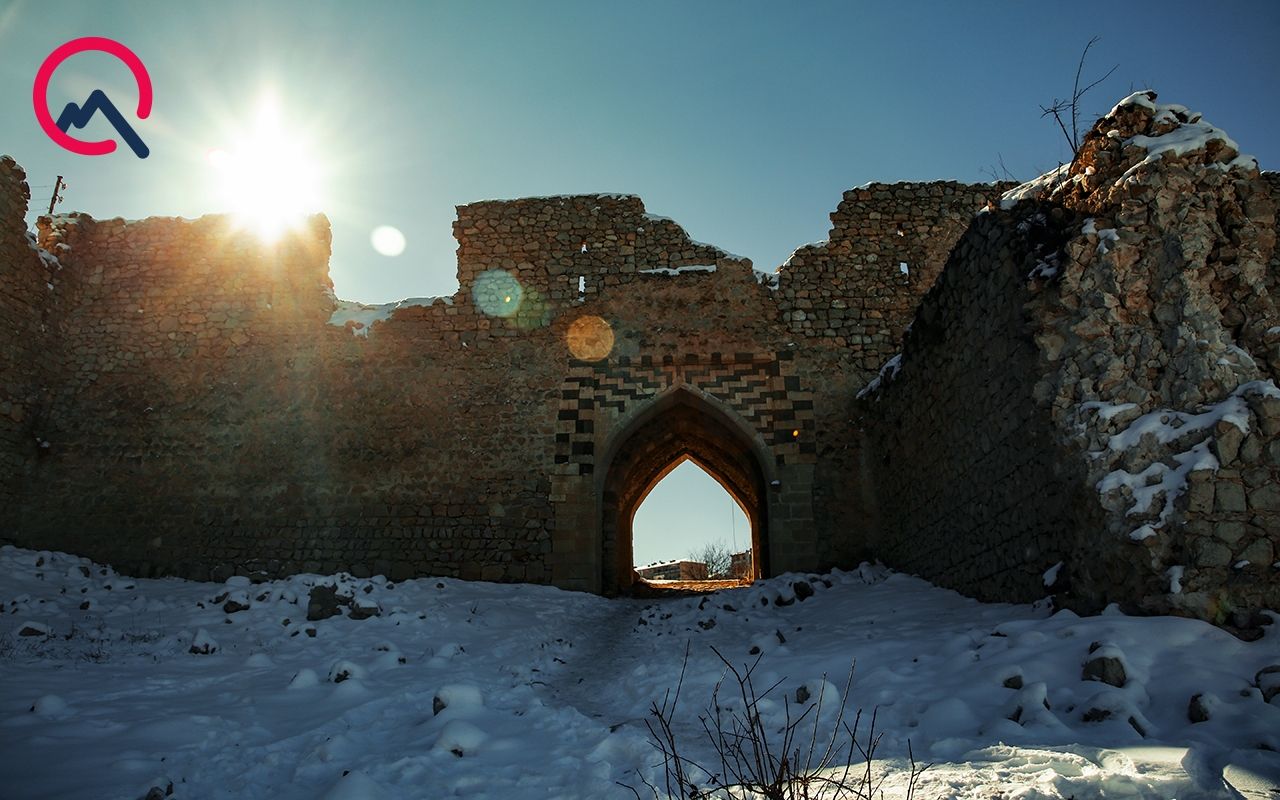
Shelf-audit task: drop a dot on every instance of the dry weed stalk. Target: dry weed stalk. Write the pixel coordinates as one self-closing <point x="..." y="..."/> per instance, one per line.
<point x="793" y="763"/>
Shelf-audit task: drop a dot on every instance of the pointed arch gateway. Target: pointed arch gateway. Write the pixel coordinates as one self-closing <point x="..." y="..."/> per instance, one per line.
<point x="682" y="425"/>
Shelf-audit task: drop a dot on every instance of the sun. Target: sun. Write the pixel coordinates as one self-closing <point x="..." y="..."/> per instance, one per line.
<point x="268" y="178"/>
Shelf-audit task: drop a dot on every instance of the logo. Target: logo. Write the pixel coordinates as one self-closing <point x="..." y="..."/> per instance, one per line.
<point x="79" y="115"/>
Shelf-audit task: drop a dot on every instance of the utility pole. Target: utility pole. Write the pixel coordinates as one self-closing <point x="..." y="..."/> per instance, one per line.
<point x="58" y="186"/>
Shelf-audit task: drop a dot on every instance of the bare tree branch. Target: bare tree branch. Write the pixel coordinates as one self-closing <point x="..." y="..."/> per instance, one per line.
<point x="1071" y="108"/>
<point x="716" y="556"/>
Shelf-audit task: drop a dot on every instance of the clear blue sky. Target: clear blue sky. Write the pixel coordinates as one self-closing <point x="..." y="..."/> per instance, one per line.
<point x="744" y="121"/>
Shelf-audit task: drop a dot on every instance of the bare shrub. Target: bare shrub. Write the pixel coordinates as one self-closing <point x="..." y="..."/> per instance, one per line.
<point x="793" y="763"/>
<point x="1069" y="110"/>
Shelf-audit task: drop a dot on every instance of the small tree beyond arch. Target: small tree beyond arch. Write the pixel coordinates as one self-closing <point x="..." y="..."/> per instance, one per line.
<point x="688" y="515"/>
<point x="681" y="427"/>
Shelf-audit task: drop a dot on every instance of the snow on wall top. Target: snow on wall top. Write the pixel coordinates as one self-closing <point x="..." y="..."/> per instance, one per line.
<point x="1188" y="133"/>
<point x="672" y="271"/>
<point x="1035" y="188"/>
<point x="363" y="316"/>
<point x="577" y="196"/>
<point x="49" y="260"/>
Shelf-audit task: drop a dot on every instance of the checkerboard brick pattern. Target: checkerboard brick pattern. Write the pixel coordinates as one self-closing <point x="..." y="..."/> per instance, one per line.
<point x="760" y="387"/>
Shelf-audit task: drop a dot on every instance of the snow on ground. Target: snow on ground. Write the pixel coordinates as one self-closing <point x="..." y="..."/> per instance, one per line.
<point x="455" y="689"/>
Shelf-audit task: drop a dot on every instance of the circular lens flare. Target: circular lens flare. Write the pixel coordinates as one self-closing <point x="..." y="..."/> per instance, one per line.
<point x="590" y="338"/>
<point x="218" y="158"/>
<point x="387" y="240"/>
<point x="497" y="293"/>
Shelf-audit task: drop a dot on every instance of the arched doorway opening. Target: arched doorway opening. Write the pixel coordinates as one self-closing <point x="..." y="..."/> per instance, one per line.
<point x="681" y="426"/>
<point x="689" y="527"/>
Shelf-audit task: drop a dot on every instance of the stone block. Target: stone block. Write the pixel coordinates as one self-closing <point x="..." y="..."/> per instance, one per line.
<point x="1266" y="407"/>
<point x="1255" y="476"/>
<point x="1269" y="524"/>
<point x="1273" y="452"/>
<point x="492" y="572"/>
<point x="1198" y="527"/>
<point x="1266" y="497"/>
<point x="1199" y="493"/>
<point x="1229" y="532"/>
<point x="1228" y="496"/>
<point x="1259" y="551"/>
<point x="1210" y="553"/>
<point x="1226" y="442"/>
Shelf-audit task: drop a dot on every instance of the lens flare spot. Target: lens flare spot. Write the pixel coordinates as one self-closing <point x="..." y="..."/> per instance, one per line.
<point x="497" y="293"/>
<point x="590" y="338"/>
<point x="387" y="240"/>
<point x="218" y="158"/>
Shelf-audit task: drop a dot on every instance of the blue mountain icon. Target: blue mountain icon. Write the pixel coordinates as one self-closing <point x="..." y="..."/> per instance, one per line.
<point x="79" y="116"/>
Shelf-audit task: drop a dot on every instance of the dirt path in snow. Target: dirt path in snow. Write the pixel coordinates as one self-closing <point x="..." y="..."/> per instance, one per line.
<point x="606" y="651"/>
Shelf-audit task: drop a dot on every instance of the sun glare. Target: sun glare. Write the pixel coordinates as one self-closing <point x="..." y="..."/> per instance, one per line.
<point x="268" y="179"/>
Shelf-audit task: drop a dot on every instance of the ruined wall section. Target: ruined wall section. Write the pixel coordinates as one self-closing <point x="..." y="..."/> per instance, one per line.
<point x="212" y="420"/>
<point x="30" y="340"/>
<point x="1141" y="332"/>
<point x="888" y="243"/>
<point x="521" y="263"/>
<point x="839" y="308"/>
<point x="209" y="419"/>
<point x="845" y="303"/>
<point x="161" y="292"/>
<point x="968" y="470"/>
<point x="678" y="313"/>
<point x="172" y="330"/>
<point x="1163" y="342"/>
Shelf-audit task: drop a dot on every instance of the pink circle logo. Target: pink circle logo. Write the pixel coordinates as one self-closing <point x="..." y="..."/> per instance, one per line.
<point x="79" y="115"/>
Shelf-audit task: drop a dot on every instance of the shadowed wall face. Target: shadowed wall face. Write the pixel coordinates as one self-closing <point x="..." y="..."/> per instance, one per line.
<point x="31" y="367"/>
<point x="1085" y="404"/>
<point x="204" y="417"/>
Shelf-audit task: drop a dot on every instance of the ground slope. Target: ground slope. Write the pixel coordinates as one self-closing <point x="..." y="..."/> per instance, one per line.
<point x="484" y="690"/>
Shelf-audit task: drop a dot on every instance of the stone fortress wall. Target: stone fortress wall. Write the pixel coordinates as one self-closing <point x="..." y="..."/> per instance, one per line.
<point x="1089" y="387"/>
<point x="202" y="416"/>
<point x="30" y="343"/>
<point x="180" y="400"/>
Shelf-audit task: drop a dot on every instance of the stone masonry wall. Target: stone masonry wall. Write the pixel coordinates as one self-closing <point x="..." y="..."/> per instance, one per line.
<point x="968" y="478"/>
<point x="846" y="302"/>
<point x="168" y="326"/>
<point x="207" y="420"/>
<point x="678" y="313"/>
<point x="887" y="246"/>
<point x="1138" y="316"/>
<point x="1164" y="343"/>
<point x="30" y="355"/>
<point x="201" y="415"/>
